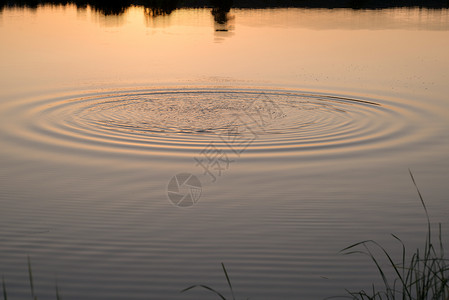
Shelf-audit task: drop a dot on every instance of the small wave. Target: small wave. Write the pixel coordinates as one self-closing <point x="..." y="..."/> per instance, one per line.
<point x="181" y="121"/>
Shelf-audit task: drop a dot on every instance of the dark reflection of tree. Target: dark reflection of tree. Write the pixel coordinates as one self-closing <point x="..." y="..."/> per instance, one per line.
<point x="155" y="8"/>
<point x="106" y="7"/>
<point x="110" y="7"/>
<point x="221" y="7"/>
<point x="220" y="17"/>
<point x="22" y="3"/>
<point x="222" y="25"/>
<point x="357" y="4"/>
<point x="220" y="12"/>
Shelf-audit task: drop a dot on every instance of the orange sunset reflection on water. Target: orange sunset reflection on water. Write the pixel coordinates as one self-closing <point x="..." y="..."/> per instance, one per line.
<point x="290" y="132"/>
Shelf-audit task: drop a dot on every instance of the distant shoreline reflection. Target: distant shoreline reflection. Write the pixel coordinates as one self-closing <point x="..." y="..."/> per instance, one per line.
<point x="220" y="8"/>
<point x="224" y="13"/>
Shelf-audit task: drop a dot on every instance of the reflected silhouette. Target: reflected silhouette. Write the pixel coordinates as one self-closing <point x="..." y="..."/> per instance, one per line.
<point x="221" y="7"/>
<point x="110" y="7"/>
<point x="154" y="8"/>
<point x="105" y="7"/>
<point x="222" y="24"/>
<point x="157" y="12"/>
<point x="220" y="10"/>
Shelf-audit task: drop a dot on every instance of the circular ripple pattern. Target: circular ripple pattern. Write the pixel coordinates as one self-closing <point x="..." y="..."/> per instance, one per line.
<point x="186" y="121"/>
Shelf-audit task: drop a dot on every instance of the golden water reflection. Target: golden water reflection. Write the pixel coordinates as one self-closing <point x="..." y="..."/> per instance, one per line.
<point x="98" y="111"/>
<point x="387" y="49"/>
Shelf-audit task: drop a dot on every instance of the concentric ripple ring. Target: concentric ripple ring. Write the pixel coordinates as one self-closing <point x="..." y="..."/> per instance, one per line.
<point x="182" y="121"/>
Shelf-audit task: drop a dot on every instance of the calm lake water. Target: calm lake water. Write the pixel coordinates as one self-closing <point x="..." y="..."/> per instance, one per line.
<point x="299" y="125"/>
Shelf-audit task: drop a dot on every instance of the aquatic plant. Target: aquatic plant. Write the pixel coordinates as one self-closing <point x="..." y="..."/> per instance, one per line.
<point x="30" y="277"/>
<point x="213" y="290"/>
<point x="423" y="276"/>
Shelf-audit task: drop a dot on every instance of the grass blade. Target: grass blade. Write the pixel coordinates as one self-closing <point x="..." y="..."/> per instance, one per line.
<point x="228" y="280"/>
<point x="424" y="277"/>
<point x="5" y="295"/>
<point x="420" y="198"/>
<point x="30" y="274"/>
<point x="58" y="297"/>
<point x="204" y="287"/>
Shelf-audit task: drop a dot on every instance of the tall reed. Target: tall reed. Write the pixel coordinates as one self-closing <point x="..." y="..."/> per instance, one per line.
<point x="423" y="276"/>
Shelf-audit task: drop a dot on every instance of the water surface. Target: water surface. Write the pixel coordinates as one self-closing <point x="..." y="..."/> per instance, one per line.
<point x="307" y="119"/>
